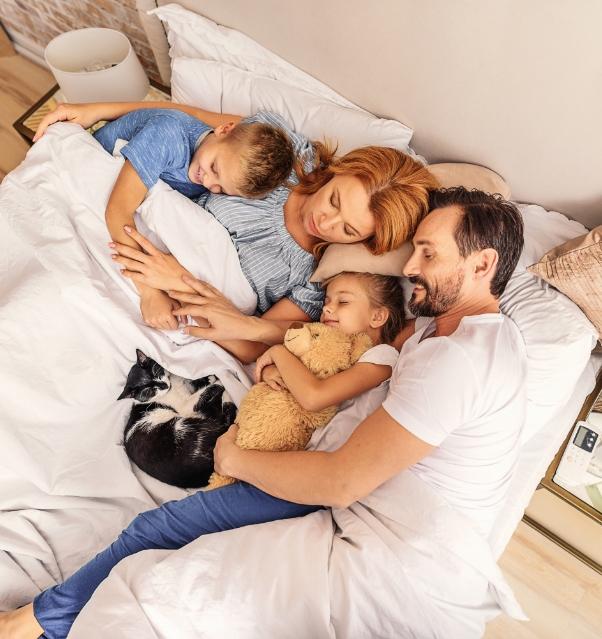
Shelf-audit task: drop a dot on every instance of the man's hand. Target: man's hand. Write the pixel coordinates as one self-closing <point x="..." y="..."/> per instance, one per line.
<point x="83" y="114"/>
<point x="157" y="309"/>
<point x="225" y="452"/>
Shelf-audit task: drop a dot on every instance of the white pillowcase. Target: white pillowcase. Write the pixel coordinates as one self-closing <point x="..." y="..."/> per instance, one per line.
<point x="215" y="86"/>
<point x="558" y="336"/>
<point x="191" y="35"/>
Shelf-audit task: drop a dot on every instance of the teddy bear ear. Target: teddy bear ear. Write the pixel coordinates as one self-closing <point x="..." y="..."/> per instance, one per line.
<point x="360" y="343"/>
<point x="317" y="328"/>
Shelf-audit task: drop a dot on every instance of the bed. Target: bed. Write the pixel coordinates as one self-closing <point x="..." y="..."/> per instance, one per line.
<point x="69" y="326"/>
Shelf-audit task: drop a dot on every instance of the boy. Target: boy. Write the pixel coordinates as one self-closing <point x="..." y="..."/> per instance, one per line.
<point x="245" y="159"/>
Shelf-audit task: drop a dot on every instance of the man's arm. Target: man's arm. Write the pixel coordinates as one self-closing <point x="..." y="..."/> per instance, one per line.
<point x="378" y="449"/>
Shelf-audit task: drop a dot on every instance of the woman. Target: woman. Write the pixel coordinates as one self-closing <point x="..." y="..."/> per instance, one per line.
<point x="373" y="195"/>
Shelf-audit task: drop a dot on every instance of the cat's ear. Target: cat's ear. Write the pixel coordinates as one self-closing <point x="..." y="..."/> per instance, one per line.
<point x="141" y="357"/>
<point x="126" y="392"/>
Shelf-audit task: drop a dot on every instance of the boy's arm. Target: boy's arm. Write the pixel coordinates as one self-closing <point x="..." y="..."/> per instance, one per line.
<point x="88" y="114"/>
<point x="316" y="394"/>
<point x="127" y="195"/>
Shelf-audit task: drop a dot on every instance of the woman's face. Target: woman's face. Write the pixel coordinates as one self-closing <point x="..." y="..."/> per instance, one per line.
<point x="338" y="212"/>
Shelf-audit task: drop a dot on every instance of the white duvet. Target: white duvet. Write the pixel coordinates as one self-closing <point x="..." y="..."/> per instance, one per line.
<point x="399" y="564"/>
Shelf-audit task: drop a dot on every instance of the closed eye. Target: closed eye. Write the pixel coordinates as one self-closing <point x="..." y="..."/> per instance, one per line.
<point x="214" y="169"/>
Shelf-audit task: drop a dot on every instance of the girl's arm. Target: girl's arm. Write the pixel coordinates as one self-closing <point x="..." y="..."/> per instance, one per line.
<point x="377" y="450"/>
<point x="314" y="393"/>
<point x="88" y="114"/>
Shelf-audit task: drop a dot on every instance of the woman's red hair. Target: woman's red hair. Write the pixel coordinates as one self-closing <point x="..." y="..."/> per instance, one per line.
<point x="397" y="185"/>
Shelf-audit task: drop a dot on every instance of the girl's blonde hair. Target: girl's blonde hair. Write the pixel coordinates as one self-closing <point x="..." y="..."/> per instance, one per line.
<point x="383" y="291"/>
<point x="397" y="185"/>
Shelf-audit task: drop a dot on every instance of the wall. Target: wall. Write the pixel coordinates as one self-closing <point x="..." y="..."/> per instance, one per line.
<point x="40" y="21"/>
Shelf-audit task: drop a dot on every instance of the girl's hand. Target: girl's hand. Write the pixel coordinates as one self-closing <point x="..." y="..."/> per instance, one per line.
<point x="267" y="359"/>
<point x="225" y="452"/>
<point x="84" y="114"/>
<point x="226" y="322"/>
<point x="272" y="378"/>
<point x="157" y="309"/>
<point x="150" y="267"/>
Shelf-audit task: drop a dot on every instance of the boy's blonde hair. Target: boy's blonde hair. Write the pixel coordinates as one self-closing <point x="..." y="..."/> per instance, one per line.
<point x="266" y="156"/>
<point x="385" y="291"/>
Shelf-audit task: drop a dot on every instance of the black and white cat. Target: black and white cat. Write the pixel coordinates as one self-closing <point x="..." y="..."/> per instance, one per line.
<point x="173" y="426"/>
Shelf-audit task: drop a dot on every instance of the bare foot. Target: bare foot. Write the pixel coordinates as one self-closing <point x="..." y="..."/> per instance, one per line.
<point x="20" y="624"/>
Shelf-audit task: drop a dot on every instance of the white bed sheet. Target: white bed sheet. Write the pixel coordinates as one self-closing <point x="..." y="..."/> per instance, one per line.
<point x="536" y="455"/>
<point x="69" y="327"/>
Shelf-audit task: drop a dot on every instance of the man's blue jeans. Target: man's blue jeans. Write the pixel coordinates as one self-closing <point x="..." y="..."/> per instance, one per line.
<point x="171" y="526"/>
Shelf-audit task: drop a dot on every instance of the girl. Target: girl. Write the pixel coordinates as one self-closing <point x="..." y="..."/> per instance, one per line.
<point x="354" y="302"/>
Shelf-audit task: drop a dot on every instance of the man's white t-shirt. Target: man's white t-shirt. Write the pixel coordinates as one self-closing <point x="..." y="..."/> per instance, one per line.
<point x="465" y="395"/>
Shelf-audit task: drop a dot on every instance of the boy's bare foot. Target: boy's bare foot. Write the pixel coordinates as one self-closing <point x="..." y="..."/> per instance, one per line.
<point x="20" y="624"/>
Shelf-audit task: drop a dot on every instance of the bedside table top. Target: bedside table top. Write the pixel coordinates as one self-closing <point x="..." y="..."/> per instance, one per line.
<point x="27" y="124"/>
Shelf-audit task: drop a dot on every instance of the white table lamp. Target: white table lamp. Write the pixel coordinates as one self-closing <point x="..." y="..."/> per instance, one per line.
<point x="96" y="65"/>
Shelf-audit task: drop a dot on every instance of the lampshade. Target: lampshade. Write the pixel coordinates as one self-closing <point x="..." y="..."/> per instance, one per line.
<point x="96" y="65"/>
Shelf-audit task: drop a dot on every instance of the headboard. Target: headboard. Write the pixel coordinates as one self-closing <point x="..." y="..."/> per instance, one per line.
<point x="515" y="86"/>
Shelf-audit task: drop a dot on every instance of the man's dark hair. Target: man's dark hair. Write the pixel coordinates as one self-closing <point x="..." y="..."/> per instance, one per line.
<point x="489" y="221"/>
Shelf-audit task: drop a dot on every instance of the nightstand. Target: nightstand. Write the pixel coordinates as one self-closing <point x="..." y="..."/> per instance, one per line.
<point x="27" y="124"/>
<point x="571" y="514"/>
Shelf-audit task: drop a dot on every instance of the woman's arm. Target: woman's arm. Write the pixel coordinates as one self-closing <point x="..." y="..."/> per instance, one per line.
<point x="88" y="114"/>
<point x="227" y="323"/>
<point x="377" y="450"/>
<point x="315" y="394"/>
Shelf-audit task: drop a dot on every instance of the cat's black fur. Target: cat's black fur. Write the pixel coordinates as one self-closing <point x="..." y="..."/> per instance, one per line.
<point x="173" y="426"/>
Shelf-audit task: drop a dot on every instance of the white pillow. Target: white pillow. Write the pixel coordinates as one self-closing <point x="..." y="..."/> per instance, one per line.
<point x="194" y="36"/>
<point x="216" y="86"/>
<point x="558" y="336"/>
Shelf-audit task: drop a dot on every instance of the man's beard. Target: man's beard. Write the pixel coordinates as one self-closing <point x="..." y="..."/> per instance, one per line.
<point x="438" y="297"/>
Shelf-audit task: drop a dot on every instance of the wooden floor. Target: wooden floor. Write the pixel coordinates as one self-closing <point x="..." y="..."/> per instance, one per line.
<point x="21" y="84"/>
<point x="562" y="596"/>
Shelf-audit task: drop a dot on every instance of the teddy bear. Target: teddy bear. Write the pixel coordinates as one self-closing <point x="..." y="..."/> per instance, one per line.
<point x="273" y="420"/>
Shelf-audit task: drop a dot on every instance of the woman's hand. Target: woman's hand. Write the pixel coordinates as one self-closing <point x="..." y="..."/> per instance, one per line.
<point x="84" y="114"/>
<point x="158" y="309"/>
<point x="265" y="360"/>
<point x="226" y="322"/>
<point x="225" y="452"/>
<point x="150" y="267"/>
